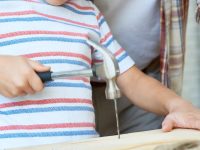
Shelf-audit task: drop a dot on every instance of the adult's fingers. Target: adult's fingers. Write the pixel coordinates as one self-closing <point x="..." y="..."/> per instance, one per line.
<point x="167" y="125"/>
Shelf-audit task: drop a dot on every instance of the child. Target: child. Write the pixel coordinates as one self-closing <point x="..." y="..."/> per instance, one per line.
<point x="35" y="33"/>
<point x="53" y="36"/>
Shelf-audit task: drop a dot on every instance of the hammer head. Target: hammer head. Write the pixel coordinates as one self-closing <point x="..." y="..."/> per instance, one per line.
<point x="108" y="70"/>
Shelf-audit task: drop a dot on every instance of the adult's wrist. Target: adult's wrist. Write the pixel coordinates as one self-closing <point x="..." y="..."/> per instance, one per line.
<point x="178" y="104"/>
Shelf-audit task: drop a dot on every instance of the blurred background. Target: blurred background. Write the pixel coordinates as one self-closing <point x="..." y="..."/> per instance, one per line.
<point x="191" y="81"/>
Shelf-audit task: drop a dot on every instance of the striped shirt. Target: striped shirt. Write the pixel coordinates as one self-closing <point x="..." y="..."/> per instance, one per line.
<point x="54" y="36"/>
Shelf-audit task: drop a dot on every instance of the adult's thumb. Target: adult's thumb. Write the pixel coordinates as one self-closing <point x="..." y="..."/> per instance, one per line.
<point x="38" y="67"/>
<point x="167" y="124"/>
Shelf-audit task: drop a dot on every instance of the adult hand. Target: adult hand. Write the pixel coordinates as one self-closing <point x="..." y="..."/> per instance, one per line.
<point x="18" y="77"/>
<point x="183" y="116"/>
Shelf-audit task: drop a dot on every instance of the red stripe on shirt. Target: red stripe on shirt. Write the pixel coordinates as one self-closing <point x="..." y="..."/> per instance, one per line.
<point x="31" y="1"/>
<point x="45" y="101"/>
<point x="21" y="33"/>
<point x="109" y="34"/>
<point x="67" y="54"/>
<point x="80" y="7"/>
<point x="119" y="51"/>
<point x="99" y="16"/>
<point x="18" y="13"/>
<point x="47" y="126"/>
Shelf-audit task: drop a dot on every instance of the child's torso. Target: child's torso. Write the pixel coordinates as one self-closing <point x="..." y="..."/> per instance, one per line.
<point x="54" y="36"/>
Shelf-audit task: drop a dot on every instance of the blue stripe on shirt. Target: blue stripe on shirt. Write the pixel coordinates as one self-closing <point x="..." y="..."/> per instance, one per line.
<point x="46" y="109"/>
<point x="101" y="21"/>
<point x="110" y="41"/>
<point x="66" y="84"/>
<point x="64" y="61"/>
<point x="122" y="57"/>
<point x="49" y="134"/>
<point x="36" y="39"/>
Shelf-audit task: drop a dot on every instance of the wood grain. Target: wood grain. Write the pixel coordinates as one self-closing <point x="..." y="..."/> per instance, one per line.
<point x="147" y="140"/>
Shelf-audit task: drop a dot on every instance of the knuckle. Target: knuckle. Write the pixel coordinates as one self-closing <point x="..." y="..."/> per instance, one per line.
<point x="28" y="72"/>
<point x="20" y="58"/>
<point x="21" y="85"/>
<point x="23" y="94"/>
<point x="10" y="96"/>
<point x="39" y="88"/>
<point x="30" y="91"/>
<point x="15" y="92"/>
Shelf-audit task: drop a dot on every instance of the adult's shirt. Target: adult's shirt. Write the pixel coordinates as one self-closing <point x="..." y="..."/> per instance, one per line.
<point x="136" y="26"/>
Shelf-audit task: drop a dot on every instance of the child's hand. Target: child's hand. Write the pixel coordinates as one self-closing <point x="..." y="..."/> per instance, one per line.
<point x="56" y="2"/>
<point x="18" y="77"/>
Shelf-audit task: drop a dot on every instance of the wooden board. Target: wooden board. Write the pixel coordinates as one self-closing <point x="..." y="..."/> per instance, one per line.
<point x="147" y="140"/>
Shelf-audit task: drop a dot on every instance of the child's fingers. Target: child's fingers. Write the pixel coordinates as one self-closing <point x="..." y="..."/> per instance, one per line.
<point x="19" y="86"/>
<point x="21" y="79"/>
<point x="7" y="89"/>
<point x="35" y="82"/>
<point x="29" y="89"/>
<point x="13" y="90"/>
<point x="5" y="93"/>
<point x="38" y="67"/>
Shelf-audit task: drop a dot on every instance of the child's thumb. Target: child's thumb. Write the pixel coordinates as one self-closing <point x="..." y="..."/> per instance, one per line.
<point x="38" y="67"/>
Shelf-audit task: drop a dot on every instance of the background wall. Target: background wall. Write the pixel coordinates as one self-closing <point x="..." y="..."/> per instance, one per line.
<point x="191" y="82"/>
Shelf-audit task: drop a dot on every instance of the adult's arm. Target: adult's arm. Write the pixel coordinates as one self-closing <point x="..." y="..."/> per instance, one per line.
<point x="151" y="95"/>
